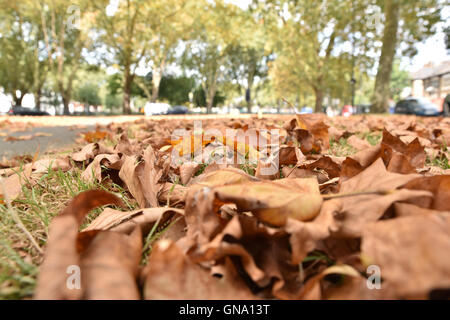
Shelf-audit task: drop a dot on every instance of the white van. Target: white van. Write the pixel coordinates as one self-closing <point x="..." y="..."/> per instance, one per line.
<point x="156" y="108"/>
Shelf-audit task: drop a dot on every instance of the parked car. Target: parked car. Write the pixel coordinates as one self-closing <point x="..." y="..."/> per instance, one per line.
<point x="347" y="110"/>
<point x="21" y="111"/>
<point x="156" y="108"/>
<point x="362" y="108"/>
<point x="446" y="106"/>
<point x="417" y="106"/>
<point x="306" y="110"/>
<point x="178" y="110"/>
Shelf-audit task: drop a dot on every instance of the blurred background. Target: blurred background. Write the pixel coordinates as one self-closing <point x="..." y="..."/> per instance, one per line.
<point x="342" y="57"/>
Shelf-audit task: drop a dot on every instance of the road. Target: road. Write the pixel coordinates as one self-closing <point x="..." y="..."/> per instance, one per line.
<point x="59" y="138"/>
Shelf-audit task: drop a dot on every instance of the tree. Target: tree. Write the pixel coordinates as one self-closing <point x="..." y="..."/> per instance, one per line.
<point x="250" y="56"/>
<point x="65" y="29"/>
<point x="169" y="24"/>
<point x="381" y="92"/>
<point x="200" y="98"/>
<point x="88" y="94"/>
<point x="247" y="64"/>
<point x="399" y="81"/>
<point x="113" y="101"/>
<point x="23" y="68"/>
<point x="207" y="52"/>
<point x="136" y="32"/>
<point x="124" y="36"/>
<point x="447" y="37"/>
<point x="311" y="44"/>
<point x="176" y="89"/>
<point x="406" y="22"/>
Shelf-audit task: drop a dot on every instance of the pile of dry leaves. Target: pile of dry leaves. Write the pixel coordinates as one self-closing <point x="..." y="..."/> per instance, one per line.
<point x="320" y="227"/>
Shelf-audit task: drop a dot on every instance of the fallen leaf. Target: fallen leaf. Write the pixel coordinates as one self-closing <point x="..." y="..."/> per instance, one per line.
<point x="439" y="186"/>
<point x="61" y="251"/>
<point x="353" y="213"/>
<point x="125" y="222"/>
<point x="412" y="253"/>
<point x="110" y="266"/>
<point x="358" y="143"/>
<point x="275" y="201"/>
<point x="94" y="136"/>
<point x="170" y="275"/>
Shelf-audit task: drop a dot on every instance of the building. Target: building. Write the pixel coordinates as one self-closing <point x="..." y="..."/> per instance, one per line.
<point x="432" y="82"/>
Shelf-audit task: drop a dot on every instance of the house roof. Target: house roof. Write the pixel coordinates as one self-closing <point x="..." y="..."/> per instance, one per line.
<point x="431" y="71"/>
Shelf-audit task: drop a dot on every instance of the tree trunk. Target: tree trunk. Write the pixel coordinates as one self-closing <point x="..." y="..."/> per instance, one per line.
<point x="381" y="92"/>
<point x="18" y="100"/>
<point x="248" y="97"/>
<point x="248" y="93"/>
<point x="127" y="93"/>
<point x="209" y="104"/>
<point x="66" y="102"/>
<point x="37" y="100"/>
<point x="210" y="93"/>
<point x="319" y="100"/>
<point x="156" y="80"/>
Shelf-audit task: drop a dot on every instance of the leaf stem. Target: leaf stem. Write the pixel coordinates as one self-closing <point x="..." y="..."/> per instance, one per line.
<point x="357" y="193"/>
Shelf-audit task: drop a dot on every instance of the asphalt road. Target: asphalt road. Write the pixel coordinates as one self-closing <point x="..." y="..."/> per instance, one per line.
<point x="62" y="137"/>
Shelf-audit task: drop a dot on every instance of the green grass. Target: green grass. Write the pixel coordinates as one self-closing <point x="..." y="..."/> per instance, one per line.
<point x="440" y="161"/>
<point x="341" y="148"/>
<point x="371" y="137"/>
<point x="24" y="226"/>
<point x="201" y="169"/>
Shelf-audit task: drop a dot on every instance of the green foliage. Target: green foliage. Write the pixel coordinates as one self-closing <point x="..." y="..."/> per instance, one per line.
<point x="307" y="51"/>
<point x="399" y="80"/>
<point x="176" y="89"/>
<point x="113" y="101"/>
<point x="22" y="65"/>
<point x="88" y="94"/>
<point x="200" y="98"/>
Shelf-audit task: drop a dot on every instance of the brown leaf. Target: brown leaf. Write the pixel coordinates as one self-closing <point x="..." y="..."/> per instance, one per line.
<point x="358" y="162"/>
<point x="110" y="266"/>
<point x="61" y="251"/>
<point x="187" y="171"/>
<point x="312" y="133"/>
<point x="170" y="275"/>
<point x="407" y="209"/>
<point x="125" y="222"/>
<point x="223" y="177"/>
<point x="400" y="157"/>
<point x="202" y="220"/>
<point x="94" y="169"/>
<point x="439" y="186"/>
<point x="262" y="252"/>
<point x="353" y="213"/>
<point x="149" y="173"/>
<point x="19" y="138"/>
<point x="89" y="152"/>
<point x="129" y="175"/>
<point x="94" y="136"/>
<point x="275" y="201"/>
<point x="42" y="166"/>
<point x="412" y="253"/>
<point x="358" y="143"/>
<point x="172" y="194"/>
